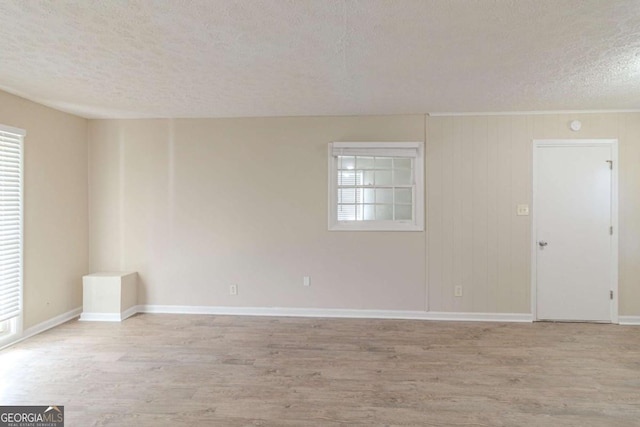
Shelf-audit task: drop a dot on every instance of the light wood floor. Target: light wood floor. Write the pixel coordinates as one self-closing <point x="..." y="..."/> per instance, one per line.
<point x="189" y="370"/>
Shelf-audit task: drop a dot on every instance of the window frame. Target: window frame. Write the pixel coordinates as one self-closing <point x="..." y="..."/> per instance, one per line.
<point x="418" y="205"/>
<point x="15" y="324"/>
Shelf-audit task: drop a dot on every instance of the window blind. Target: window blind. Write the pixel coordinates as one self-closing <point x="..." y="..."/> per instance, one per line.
<point x="10" y="222"/>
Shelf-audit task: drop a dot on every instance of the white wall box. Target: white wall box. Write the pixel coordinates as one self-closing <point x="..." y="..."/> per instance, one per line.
<point x="109" y="296"/>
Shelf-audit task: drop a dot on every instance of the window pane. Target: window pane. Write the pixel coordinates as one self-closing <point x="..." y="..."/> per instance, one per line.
<point x="364" y="162"/>
<point x="403" y="212"/>
<point x="383" y="177"/>
<point x="347" y="162"/>
<point x="359" y="175"/>
<point x="384" y="195"/>
<point x="402" y="177"/>
<point x="369" y="195"/>
<point x="347" y="178"/>
<point x="368" y="178"/>
<point x="384" y="212"/>
<point x="383" y="163"/>
<point x="402" y="163"/>
<point x="346" y="212"/>
<point x="403" y="195"/>
<point x="369" y="212"/>
<point x="347" y="195"/>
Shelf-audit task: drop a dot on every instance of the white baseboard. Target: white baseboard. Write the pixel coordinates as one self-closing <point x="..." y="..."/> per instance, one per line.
<point x="100" y="317"/>
<point x="629" y="320"/>
<point x="109" y="317"/>
<point x="47" y="324"/>
<point x="479" y="317"/>
<point x="336" y="312"/>
<point x="129" y="312"/>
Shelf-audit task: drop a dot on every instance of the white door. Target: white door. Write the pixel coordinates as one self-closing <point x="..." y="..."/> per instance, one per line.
<point x="573" y="238"/>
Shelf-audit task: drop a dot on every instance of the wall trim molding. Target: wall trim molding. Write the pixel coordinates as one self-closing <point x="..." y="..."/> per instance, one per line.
<point x="629" y="320"/>
<point x="478" y="317"/>
<point x="529" y="113"/>
<point x="44" y="326"/>
<point x="100" y="317"/>
<point x="336" y="313"/>
<point x="128" y="312"/>
<point x="109" y="317"/>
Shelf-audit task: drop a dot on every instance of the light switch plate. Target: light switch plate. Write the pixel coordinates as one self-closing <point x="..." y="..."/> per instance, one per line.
<point x="523" y="210"/>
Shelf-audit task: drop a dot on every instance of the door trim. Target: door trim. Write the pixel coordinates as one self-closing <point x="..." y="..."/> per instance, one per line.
<point x="614" y="215"/>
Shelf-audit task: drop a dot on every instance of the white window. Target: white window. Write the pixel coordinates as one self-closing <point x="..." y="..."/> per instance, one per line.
<point x="10" y="231"/>
<point x="376" y="186"/>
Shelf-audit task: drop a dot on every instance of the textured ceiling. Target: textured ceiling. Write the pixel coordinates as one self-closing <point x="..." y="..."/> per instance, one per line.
<point x="226" y="58"/>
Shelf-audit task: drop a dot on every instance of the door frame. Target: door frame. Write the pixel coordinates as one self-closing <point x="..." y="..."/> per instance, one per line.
<point x="537" y="143"/>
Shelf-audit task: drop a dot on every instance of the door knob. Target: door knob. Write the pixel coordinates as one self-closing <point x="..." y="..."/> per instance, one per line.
<point x="542" y="243"/>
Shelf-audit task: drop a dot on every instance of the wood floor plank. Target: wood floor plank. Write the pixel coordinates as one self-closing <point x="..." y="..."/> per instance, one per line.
<point x="192" y="370"/>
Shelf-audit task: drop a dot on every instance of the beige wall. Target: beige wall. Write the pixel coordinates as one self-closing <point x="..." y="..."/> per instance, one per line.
<point x="479" y="169"/>
<point x="55" y="206"/>
<point x="196" y="205"/>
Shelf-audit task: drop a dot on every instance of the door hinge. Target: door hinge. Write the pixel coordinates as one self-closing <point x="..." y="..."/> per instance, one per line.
<point x="610" y="294"/>
<point x="610" y="164"/>
<point x="611" y="230"/>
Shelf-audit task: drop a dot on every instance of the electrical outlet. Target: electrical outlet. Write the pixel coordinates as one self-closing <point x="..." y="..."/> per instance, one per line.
<point x="522" y="210"/>
<point x="233" y="290"/>
<point x="457" y="291"/>
<point x="306" y="281"/>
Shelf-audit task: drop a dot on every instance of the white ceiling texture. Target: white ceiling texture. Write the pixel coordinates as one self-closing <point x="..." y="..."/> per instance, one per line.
<point x="229" y="58"/>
